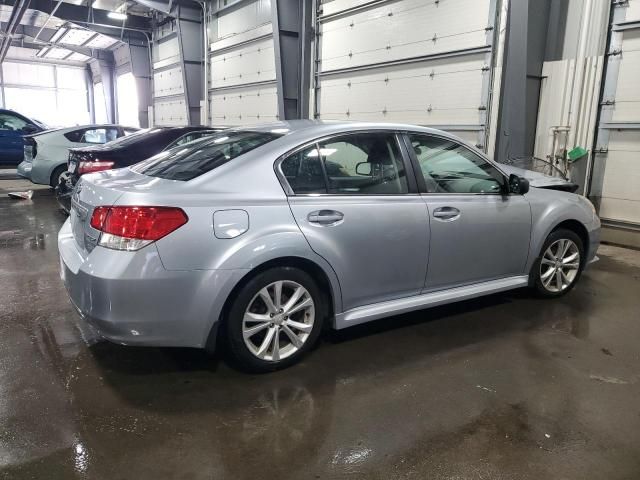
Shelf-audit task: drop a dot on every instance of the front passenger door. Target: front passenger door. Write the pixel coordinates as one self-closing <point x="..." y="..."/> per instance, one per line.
<point x="358" y="209"/>
<point x="478" y="231"/>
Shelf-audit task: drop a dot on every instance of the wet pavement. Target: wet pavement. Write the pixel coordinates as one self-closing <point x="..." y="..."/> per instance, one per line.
<point x="504" y="387"/>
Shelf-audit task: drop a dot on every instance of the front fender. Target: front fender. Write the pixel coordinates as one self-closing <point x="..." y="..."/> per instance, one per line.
<point x="549" y="208"/>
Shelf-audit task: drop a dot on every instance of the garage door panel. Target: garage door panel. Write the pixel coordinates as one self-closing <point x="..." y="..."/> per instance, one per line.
<point x="244" y="105"/>
<point x="170" y="112"/>
<point x="414" y="28"/>
<point x="251" y="63"/>
<point x="168" y="82"/>
<point x="624" y="140"/>
<point x="369" y="71"/>
<point x="628" y="86"/>
<point x="633" y="11"/>
<point x="28" y="74"/>
<point x="426" y="92"/>
<point x="622" y="176"/>
<point x="619" y="209"/>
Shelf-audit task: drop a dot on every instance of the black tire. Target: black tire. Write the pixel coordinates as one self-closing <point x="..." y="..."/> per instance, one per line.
<point x="536" y="280"/>
<point x="241" y="355"/>
<point x="55" y="176"/>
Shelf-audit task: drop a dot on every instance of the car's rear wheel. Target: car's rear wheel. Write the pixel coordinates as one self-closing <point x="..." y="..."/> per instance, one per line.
<point x="57" y="175"/>
<point x="275" y="319"/>
<point x="560" y="263"/>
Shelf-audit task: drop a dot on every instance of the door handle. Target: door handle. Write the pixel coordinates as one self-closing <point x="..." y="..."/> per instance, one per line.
<point x="325" y="217"/>
<point x="446" y="213"/>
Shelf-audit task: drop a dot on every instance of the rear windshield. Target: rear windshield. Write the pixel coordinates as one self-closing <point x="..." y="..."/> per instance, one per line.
<point x="188" y="161"/>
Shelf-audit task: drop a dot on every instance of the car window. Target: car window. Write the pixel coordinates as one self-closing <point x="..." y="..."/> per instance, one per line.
<point x="99" y="135"/>
<point x="303" y="172"/>
<point x="11" y="122"/>
<point x="190" y="137"/>
<point x="190" y="161"/>
<point x="449" y="167"/>
<point x="363" y="164"/>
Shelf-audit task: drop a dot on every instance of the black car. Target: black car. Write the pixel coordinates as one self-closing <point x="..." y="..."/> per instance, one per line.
<point x="123" y="152"/>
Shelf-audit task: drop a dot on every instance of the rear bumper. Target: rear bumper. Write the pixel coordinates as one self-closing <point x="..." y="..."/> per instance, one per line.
<point x="24" y="169"/>
<point x="131" y="299"/>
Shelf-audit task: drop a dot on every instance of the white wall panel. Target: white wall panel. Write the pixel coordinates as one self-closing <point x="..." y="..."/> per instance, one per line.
<point x="254" y="62"/>
<point x="170" y="112"/>
<point x="244" y="105"/>
<point x="168" y="82"/>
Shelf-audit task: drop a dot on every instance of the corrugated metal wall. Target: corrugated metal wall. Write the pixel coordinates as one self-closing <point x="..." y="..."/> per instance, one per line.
<point x="424" y="62"/>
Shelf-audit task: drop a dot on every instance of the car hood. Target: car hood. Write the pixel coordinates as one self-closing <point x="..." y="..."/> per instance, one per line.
<point x="540" y="180"/>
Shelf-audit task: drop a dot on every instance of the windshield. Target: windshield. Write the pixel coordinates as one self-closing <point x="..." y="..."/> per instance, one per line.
<point x="186" y="162"/>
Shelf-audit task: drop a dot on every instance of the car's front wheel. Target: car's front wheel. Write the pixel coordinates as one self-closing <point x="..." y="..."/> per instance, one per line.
<point x="275" y="319"/>
<point x="560" y="263"/>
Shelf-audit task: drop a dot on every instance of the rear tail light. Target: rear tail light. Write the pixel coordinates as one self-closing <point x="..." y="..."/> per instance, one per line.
<point x="97" y="166"/>
<point x="131" y="228"/>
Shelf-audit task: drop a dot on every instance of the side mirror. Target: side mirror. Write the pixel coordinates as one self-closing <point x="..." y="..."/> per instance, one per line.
<point x="518" y="184"/>
<point x="364" y="169"/>
<point x="29" y="128"/>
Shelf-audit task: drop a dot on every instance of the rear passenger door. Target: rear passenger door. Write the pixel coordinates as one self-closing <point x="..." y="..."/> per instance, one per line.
<point x="356" y="203"/>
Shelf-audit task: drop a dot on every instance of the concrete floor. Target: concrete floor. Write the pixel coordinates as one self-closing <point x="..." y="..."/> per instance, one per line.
<point x="505" y="387"/>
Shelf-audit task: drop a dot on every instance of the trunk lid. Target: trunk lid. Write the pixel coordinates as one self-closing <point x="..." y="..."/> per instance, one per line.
<point x="99" y="189"/>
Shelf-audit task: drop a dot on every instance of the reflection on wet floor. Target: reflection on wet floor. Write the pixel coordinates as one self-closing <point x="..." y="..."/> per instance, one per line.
<point x="506" y="386"/>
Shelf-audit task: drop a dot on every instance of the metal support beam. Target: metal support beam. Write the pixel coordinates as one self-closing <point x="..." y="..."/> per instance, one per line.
<point x="292" y="34"/>
<point x="81" y="14"/>
<point x="14" y="21"/>
<point x="192" y="58"/>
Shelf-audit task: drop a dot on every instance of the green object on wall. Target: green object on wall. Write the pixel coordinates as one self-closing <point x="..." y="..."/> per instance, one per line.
<point x="576" y="154"/>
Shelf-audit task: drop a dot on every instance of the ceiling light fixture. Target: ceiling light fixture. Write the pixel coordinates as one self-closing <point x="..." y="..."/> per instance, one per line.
<point x="117" y="15"/>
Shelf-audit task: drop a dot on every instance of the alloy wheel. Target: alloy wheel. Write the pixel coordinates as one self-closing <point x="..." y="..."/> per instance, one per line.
<point x="559" y="265"/>
<point x="278" y="320"/>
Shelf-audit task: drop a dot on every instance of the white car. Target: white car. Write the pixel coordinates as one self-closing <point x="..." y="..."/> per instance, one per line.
<point x="46" y="153"/>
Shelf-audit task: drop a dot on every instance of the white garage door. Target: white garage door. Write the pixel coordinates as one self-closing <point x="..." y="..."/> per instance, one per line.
<point x="242" y="74"/>
<point x="53" y="94"/>
<point x="169" y="102"/>
<point x="424" y="62"/>
<point x="615" y="185"/>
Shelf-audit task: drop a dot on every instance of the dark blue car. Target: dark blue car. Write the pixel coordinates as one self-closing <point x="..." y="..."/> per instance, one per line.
<point x="13" y="126"/>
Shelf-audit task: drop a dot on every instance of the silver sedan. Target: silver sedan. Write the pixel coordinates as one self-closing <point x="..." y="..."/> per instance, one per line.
<point x="259" y="237"/>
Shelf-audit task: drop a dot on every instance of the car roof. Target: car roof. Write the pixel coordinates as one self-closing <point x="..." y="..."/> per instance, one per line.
<point x="302" y="131"/>
<point x="321" y="127"/>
